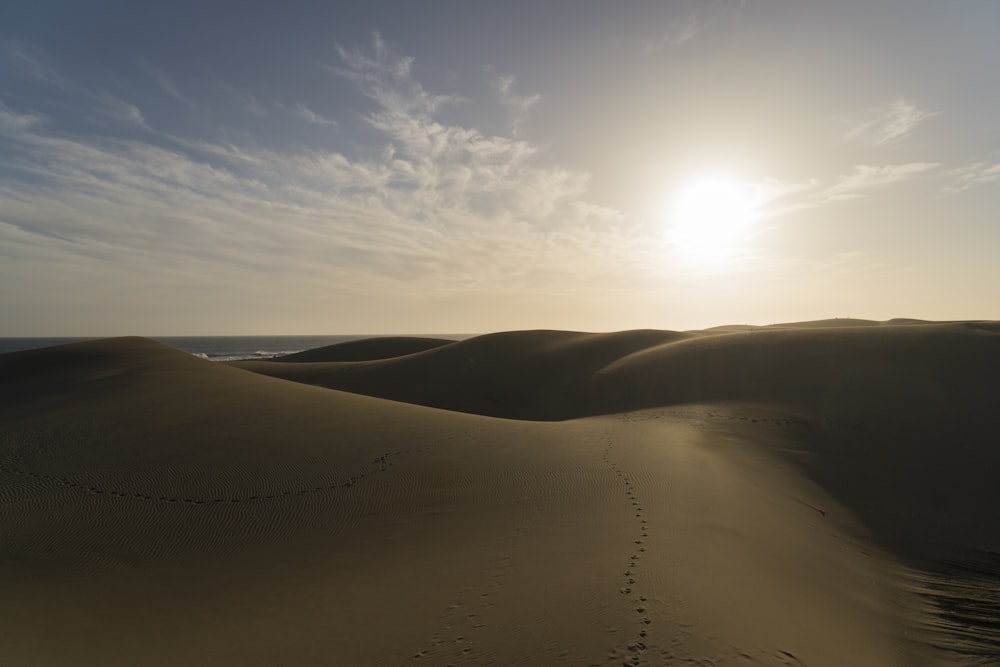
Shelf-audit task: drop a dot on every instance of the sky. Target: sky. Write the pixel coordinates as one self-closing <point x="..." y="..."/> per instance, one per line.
<point x="322" y="167"/>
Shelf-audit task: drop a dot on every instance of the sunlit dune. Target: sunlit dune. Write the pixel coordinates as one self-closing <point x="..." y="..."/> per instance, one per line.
<point x="807" y="494"/>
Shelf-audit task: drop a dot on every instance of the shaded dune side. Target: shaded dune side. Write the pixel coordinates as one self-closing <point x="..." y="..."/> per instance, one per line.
<point x="904" y="422"/>
<point x="906" y="414"/>
<point x="560" y="375"/>
<point x="521" y="375"/>
<point x="367" y="349"/>
<point x="899" y="370"/>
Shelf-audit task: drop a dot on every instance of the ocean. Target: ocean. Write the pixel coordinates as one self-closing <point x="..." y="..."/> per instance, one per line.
<point x="220" y="348"/>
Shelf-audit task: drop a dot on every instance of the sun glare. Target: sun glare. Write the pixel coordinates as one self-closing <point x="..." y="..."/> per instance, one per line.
<point x="710" y="219"/>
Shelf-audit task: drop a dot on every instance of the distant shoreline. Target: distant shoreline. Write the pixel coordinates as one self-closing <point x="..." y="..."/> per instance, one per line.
<point x="217" y="348"/>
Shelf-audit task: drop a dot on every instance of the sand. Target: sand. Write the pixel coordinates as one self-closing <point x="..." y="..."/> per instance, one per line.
<point x="808" y="494"/>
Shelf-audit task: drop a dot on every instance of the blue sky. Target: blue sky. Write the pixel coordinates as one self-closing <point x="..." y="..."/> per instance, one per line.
<point x="323" y="167"/>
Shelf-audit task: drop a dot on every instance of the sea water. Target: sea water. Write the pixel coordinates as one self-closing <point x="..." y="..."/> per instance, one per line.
<point x="219" y="348"/>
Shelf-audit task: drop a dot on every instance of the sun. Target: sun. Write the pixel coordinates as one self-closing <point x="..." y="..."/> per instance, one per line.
<point x="710" y="219"/>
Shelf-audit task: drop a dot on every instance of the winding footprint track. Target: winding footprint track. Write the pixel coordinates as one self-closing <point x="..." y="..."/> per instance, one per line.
<point x="631" y="576"/>
<point x="381" y="463"/>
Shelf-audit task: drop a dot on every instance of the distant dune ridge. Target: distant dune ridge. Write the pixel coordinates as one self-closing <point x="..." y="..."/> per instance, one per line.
<point x="818" y="493"/>
<point x="368" y="349"/>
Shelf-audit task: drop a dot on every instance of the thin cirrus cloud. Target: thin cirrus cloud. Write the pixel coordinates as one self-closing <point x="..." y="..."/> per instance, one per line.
<point x="310" y="116"/>
<point x="119" y="111"/>
<point x="684" y="29"/>
<point x="779" y="198"/>
<point x="972" y="176"/>
<point x="888" y="124"/>
<point x="31" y="63"/>
<point x="167" y="86"/>
<point x="441" y="206"/>
<point x="677" y="32"/>
<point x="518" y="106"/>
<point x="863" y="178"/>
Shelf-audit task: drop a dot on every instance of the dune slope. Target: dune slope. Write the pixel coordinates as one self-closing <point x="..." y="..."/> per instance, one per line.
<point x="520" y="375"/>
<point x="817" y="499"/>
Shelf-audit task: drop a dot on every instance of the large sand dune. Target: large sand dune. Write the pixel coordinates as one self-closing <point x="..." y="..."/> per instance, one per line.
<point x="794" y="495"/>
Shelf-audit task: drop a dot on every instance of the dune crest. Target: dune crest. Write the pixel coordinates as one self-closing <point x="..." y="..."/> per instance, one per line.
<point x="367" y="349"/>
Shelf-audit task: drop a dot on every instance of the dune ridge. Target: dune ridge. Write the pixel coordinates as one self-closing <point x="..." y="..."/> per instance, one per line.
<point x="796" y="495"/>
<point x="367" y="349"/>
<point x="549" y="375"/>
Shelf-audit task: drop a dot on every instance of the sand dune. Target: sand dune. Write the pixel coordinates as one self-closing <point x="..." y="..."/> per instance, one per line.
<point x="367" y="349"/>
<point x="521" y="375"/>
<point x="790" y="496"/>
<point x="550" y="375"/>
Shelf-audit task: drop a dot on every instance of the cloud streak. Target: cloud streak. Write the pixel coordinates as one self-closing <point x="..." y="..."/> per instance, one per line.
<point x="518" y="106"/>
<point x="676" y="33"/>
<point x="30" y="63"/>
<point x="973" y="176"/>
<point x="889" y="124"/>
<point x="310" y="116"/>
<point x="167" y="86"/>
<point x="779" y="198"/>
<point x="863" y="178"/>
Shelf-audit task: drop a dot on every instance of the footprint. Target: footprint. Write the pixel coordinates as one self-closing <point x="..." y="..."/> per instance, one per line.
<point x="787" y="658"/>
<point x="631" y="577"/>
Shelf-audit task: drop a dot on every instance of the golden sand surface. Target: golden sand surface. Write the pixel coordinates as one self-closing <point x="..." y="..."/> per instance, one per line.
<point x="819" y="494"/>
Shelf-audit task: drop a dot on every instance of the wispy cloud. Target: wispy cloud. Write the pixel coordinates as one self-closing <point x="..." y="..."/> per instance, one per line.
<point x="863" y="178"/>
<point x="308" y="115"/>
<point x="165" y="84"/>
<point x="14" y="122"/>
<point x="31" y="63"/>
<point x="973" y="175"/>
<point x="776" y="197"/>
<point x="887" y="124"/>
<point x="780" y="198"/>
<point x="686" y="28"/>
<point x="97" y="105"/>
<point x="246" y="102"/>
<point x="440" y="207"/>
<point x="385" y="78"/>
<point x="676" y="32"/>
<point x="122" y="112"/>
<point x="518" y="106"/>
